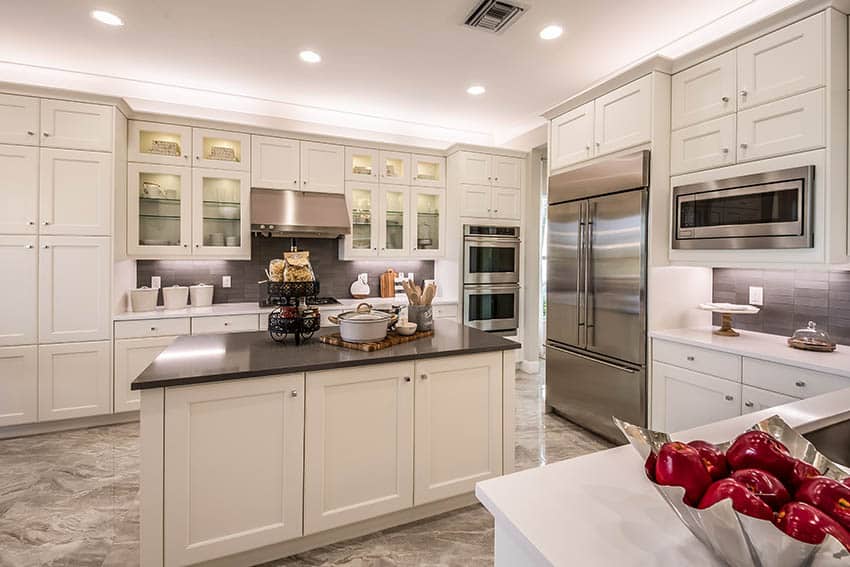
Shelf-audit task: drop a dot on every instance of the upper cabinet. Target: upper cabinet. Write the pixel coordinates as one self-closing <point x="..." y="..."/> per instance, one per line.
<point x="362" y="201"/>
<point x="486" y="169"/>
<point x="705" y="91"/>
<point x="571" y="137"/>
<point x="19" y="120"/>
<point x="362" y="164"/>
<point x="507" y="172"/>
<point x="275" y="163"/>
<point x="221" y="214"/>
<point x="75" y="193"/>
<point x="428" y="206"/>
<point x="19" y="187"/>
<point x="76" y="125"/>
<point x="494" y="190"/>
<point x="395" y="167"/>
<point x="428" y="171"/>
<point x="322" y="167"/>
<point x="159" y="210"/>
<point x="221" y="150"/>
<point x="395" y="215"/>
<point x="167" y="144"/>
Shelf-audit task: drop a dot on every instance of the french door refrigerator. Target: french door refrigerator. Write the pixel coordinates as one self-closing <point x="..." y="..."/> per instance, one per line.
<point x="596" y="294"/>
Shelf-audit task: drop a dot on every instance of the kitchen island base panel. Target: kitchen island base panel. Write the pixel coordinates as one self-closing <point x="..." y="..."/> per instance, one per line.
<point x="28" y="429"/>
<point x="511" y="550"/>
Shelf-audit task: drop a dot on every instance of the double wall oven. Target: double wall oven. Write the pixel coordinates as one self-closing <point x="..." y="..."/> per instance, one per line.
<point x="491" y="278"/>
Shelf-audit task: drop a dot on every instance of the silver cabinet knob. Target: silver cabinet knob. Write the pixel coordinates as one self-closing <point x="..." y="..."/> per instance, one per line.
<point x="749" y="404"/>
<point x="407" y="378"/>
<point x="729" y="398"/>
<point x="598" y="144"/>
<point x="724" y="150"/>
<point x="28" y="246"/>
<point x="185" y="246"/>
<point x="185" y="156"/>
<point x="293" y="393"/>
<point x="587" y="148"/>
<point x="743" y="92"/>
<point x="424" y="376"/>
<point x="45" y="223"/>
<point x="295" y="182"/>
<point x="198" y="157"/>
<point x="724" y="99"/>
<point x="153" y="328"/>
<point x="45" y="134"/>
<point x="304" y="182"/>
<point x="691" y="358"/>
<point x="375" y="249"/>
<point x="743" y="146"/>
<point x="197" y="245"/>
<point x="30" y="133"/>
<point x="497" y="179"/>
<point x="45" y="246"/>
<point x="495" y="210"/>
<point x="489" y="179"/>
<point x="800" y="384"/>
<point x="226" y="323"/>
<point x="31" y="222"/>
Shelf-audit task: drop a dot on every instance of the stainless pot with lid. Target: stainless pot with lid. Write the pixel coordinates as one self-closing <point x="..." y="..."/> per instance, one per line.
<point x="363" y="325"/>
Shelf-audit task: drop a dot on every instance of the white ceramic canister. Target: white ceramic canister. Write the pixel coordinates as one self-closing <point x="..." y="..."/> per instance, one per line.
<point x="143" y="299"/>
<point x="201" y="295"/>
<point x="175" y="296"/>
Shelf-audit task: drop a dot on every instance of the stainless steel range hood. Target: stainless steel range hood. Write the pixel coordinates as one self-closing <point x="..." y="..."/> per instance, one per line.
<point x="299" y="214"/>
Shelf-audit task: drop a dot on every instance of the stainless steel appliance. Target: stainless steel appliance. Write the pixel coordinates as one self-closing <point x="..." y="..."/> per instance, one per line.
<point x="297" y="213"/>
<point x="765" y="210"/>
<point x="491" y="278"/>
<point x="596" y="294"/>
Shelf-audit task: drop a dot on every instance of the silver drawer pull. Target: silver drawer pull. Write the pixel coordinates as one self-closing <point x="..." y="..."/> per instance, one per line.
<point x="690" y="358"/>
<point x="800" y="384"/>
<point x="749" y="404"/>
<point x="729" y="398"/>
<point x="153" y="328"/>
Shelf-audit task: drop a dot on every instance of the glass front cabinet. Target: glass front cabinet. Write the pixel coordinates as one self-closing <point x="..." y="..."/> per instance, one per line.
<point x="428" y="171"/>
<point x="362" y="201"/>
<point x="361" y="164"/>
<point x="221" y="150"/>
<point x="428" y="224"/>
<point x="395" y="221"/>
<point x="166" y="144"/>
<point x="221" y="225"/>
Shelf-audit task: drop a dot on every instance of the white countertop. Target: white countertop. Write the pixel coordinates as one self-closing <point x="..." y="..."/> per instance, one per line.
<point x="600" y="509"/>
<point x="254" y="308"/>
<point x="773" y="348"/>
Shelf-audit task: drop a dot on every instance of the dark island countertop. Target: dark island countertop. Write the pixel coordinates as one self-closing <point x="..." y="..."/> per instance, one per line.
<point x="212" y="358"/>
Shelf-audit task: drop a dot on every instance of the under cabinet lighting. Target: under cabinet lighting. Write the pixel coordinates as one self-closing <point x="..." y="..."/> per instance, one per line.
<point x="310" y="56"/>
<point x="476" y="90"/>
<point x="107" y="18"/>
<point x="551" y="32"/>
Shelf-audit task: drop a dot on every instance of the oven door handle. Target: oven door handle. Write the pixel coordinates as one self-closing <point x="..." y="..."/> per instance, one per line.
<point x="491" y="287"/>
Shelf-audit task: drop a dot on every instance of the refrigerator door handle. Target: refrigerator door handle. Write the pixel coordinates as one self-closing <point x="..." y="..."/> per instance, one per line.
<point x="589" y="300"/>
<point x="580" y="274"/>
<point x="597" y="360"/>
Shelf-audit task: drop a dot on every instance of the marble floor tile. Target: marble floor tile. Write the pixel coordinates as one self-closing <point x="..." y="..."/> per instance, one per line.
<point x="71" y="499"/>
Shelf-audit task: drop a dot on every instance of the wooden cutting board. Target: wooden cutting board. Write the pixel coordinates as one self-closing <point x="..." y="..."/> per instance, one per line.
<point x="391" y="340"/>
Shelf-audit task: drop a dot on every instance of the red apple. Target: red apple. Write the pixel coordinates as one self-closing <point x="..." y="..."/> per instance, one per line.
<point x="827" y="495"/>
<point x="758" y="450"/>
<point x="800" y="472"/>
<point x="846" y="481"/>
<point x="649" y="466"/>
<point x="764" y="485"/>
<point x="678" y="464"/>
<point x="806" y="523"/>
<point x="713" y="459"/>
<point x="743" y="500"/>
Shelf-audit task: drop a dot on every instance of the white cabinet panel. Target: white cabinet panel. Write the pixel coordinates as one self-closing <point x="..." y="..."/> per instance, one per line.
<point x="19" y="120"/>
<point x="475" y="169"/>
<point x="707" y="361"/>
<point x="458" y="430"/>
<point x="221" y="213"/>
<point x="159" y="210"/>
<point x="275" y="163"/>
<point x="362" y="164"/>
<point x="220" y="149"/>
<point x="788" y="61"/>
<point x="18" y="290"/>
<point x="132" y="356"/>
<point x="75" y="192"/>
<point x="793" y="124"/>
<point x="322" y="167"/>
<point x="233" y="467"/>
<point x="153" y="142"/>
<point x="704" y="91"/>
<point x="756" y="399"/>
<point x="74" y="288"/>
<point x="395" y="167"/>
<point x="446" y="311"/>
<point x="18" y="385"/>
<point x="703" y="146"/>
<point x="571" y="137"/>
<point x="791" y="380"/>
<point x="506" y="203"/>
<point x="74" y="380"/>
<point x="428" y="171"/>
<point x="224" y="324"/>
<point x="475" y="201"/>
<point x="76" y="125"/>
<point x="359" y="444"/>
<point x="150" y="328"/>
<point x="19" y="188"/>
<point x="507" y="172"/>
<point x="683" y="399"/>
<point x="623" y="117"/>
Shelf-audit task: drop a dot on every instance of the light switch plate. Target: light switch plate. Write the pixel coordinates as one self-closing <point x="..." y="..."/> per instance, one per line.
<point x="756" y="295"/>
<point x="156" y="282"/>
<point x="225" y="281"/>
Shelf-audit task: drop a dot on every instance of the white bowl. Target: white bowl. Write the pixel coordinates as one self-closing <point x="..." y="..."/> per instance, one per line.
<point x="406" y="328"/>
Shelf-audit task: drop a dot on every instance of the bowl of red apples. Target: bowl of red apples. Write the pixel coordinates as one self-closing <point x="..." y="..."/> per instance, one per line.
<point x="766" y="498"/>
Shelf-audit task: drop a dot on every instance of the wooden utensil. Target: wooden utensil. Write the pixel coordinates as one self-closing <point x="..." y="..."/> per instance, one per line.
<point x="412" y="296"/>
<point x="430" y="292"/>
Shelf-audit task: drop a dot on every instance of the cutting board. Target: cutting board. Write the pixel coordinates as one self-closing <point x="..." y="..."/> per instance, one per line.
<point x="391" y="340"/>
<point x="388" y="283"/>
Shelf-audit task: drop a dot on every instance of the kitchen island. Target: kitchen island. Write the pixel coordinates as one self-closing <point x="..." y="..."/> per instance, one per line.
<point x="253" y="450"/>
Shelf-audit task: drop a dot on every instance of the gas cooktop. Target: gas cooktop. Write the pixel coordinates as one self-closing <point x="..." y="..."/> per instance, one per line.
<point x="322" y="301"/>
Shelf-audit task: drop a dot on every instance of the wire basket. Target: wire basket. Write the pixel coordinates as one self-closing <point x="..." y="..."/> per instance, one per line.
<point x="281" y="325"/>
<point x="281" y="293"/>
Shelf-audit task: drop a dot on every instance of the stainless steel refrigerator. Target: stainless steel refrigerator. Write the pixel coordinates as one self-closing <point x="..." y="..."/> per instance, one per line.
<point x="596" y="293"/>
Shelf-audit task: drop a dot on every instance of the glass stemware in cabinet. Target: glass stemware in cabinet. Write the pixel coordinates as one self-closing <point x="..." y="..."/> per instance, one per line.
<point x="159" y="209"/>
<point x="222" y="212"/>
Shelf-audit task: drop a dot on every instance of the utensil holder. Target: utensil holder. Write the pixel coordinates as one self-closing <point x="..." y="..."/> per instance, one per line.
<point x="422" y="315"/>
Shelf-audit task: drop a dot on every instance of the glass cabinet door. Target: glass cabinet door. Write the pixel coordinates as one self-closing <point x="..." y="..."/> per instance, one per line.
<point x="429" y="171"/>
<point x="395" y="212"/>
<point x="221" y="224"/>
<point x="221" y="150"/>
<point x="395" y="168"/>
<point x="361" y="164"/>
<point x="362" y="199"/>
<point x="428" y="222"/>
<point x="158" y="207"/>
<point x="151" y="142"/>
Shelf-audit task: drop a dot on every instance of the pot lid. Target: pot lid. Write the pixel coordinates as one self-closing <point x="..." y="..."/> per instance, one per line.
<point x="364" y="314"/>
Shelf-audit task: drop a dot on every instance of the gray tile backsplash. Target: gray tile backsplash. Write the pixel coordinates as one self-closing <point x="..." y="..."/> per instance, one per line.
<point x="791" y="299"/>
<point x="334" y="274"/>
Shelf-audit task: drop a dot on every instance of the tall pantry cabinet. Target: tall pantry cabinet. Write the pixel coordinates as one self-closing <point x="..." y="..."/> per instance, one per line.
<point x="57" y="179"/>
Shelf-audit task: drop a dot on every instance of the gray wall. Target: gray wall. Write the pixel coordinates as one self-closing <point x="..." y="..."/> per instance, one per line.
<point x="334" y="274"/>
<point x="791" y="299"/>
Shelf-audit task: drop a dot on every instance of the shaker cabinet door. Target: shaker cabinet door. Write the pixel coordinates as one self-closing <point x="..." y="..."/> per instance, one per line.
<point x="623" y="118"/>
<point x="18" y="290"/>
<point x="322" y="167"/>
<point x="132" y="356"/>
<point x="18" y="385"/>
<point x="75" y="193"/>
<point x="704" y="91"/>
<point x="475" y="169"/>
<point x="19" y="120"/>
<point x="506" y="203"/>
<point x="76" y="125"/>
<point x="19" y="188"/>
<point x="475" y="201"/>
<point x="571" y="136"/>
<point x="790" y="125"/>
<point x="703" y="146"/>
<point x="275" y="163"/>
<point x="74" y="380"/>
<point x="683" y="399"/>
<point x="220" y="149"/>
<point x="507" y="172"/>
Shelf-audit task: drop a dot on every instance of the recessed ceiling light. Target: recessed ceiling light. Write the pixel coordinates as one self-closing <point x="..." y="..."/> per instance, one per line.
<point x="476" y="90"/>
<point x="310" y="56"/>
<point x="107" y="18"/>
<point x="551" y="32"/>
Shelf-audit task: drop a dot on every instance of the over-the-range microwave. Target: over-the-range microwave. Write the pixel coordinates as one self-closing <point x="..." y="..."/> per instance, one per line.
<point x="764" y="210"/>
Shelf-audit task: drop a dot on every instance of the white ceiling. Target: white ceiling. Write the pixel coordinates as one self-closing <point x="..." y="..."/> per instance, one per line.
<point x="394" y="66"/>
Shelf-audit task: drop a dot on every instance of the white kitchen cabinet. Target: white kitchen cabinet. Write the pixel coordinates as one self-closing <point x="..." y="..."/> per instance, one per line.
<point x="395" y="220"/>
<point x="18" y="290"/>
<point x="362" y="164"/>
<point x="74" y="380"/>
<point x="458" y="426"/>
<point x="74" y="288"/>
<point x="233" y="467"/>
<point x="791" y="380"/>
<point x="475" y="168"/>
<point x="275" y="163"/>
<point x="19" y="188"/>
<point x="428" y="171"/>
<point x="159" y="211"/>
<point x="154" y="142"/>
<point x="703" y="146"/>
<point x="475" y="201"/>
<point x="723" y="364"/>
<point x="505" y="203"/>
<point x="623" y="117"/>
<point x="790" y="125"/>
<point x="76" y="125"/>
<point x="364" y="209"/>
<point x="359" y="444"/>
<point x="75" y="192"/>
<point x="220" y="149"/>
<point x="221" y="214"/>
<point x="225" y="324"/>
<point x="571" y="137"/>
<point x="18" y="385"/>
<point x="445" y="311"/>
<point x="395" y="167"/>
<point x="131" y="357"/>
<point x="683" y="399"/>
<point x="705" y="91"/>
<point x="507" y="172"/>
<point x="322" y="167"/>
<point x="756" y="399"/>
<point x="19" y="120"/>
<point x="429" y="222"/>
<point x="152" y="328"/>
<point x="789" y="61"/>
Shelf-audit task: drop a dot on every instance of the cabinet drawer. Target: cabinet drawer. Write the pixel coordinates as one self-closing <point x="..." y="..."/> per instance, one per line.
<point x="703" y="360"/>
<point x="445" y="311"/>
<point x="151" y="328"/>
<point x="706" y="145"/>
<point x="225" y="324"/>
<point x="790" y="380"/>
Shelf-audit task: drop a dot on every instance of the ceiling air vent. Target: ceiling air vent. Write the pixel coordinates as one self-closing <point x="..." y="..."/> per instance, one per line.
<point x="493" y="15"/>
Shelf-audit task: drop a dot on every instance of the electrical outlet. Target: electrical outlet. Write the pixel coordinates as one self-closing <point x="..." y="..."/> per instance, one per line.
<point x="756" y="295"/>
<point x="156" y="282"/>
<point x="225" y="281"/>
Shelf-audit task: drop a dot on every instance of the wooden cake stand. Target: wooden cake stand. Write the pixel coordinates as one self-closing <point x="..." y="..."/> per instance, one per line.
<point x="726" y="312"/>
